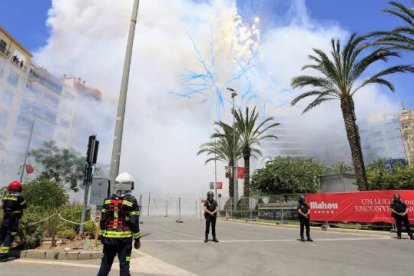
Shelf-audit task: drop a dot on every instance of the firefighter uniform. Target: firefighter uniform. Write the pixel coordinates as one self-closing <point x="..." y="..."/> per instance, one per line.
<point x="119" y="226"/>
<point x="13" y="206"/>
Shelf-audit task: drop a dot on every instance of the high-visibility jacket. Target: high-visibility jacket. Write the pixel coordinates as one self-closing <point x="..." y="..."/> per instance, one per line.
<point x="13" y="206"/>
<point x="120" y="218"/>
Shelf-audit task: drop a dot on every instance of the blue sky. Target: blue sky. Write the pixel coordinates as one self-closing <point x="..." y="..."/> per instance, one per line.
<point x="26" y="21"/>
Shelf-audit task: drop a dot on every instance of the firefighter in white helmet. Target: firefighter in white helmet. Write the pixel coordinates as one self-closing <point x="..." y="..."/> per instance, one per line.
<point x="119" y="225"/>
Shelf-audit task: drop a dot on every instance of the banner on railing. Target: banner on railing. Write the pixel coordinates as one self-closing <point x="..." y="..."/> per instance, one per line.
<point x="371" y="206"/>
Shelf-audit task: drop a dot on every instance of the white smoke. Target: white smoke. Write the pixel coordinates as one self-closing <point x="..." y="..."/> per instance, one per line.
<point x="162" y="132"/>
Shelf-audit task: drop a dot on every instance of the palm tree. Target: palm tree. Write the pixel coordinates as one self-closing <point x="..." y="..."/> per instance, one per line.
<point x="251" y="133"/>
<point x="401" y="37"/>
<point x="221" y="149"/>
<point x="339" y="79"/>
<point x="340" y="168"/>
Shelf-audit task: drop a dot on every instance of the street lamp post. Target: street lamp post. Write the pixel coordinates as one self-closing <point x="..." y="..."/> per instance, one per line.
<point x="215" y="171"/>
<point x="235" y="180"/>
<point x="119" y="126"/>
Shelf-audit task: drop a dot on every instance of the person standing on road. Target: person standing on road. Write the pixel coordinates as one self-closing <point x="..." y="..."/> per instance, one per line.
<point x="210" y="213"/>
<point x="13" y="206"/>
<point x="399" y="212"/>
<point x="303" y="214"/>
<point x="119" y="225"/>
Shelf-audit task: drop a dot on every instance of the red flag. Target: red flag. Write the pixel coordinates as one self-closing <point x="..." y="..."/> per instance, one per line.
<point x="29" y="169"/>
<point x="240" y="172"/>
<point x="219" y="185"/>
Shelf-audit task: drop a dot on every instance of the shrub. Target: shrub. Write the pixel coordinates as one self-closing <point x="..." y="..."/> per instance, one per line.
<point x="90" y="229"/>
<point x="67" y="234"/>
<point x="31" y="235"/>
<point x="72" y="213"/>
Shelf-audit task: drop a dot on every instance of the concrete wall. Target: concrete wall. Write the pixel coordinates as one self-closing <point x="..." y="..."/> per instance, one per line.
<point x="338" y="183"/>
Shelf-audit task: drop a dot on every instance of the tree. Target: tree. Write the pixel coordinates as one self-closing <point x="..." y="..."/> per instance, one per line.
<point x="65" y="166"/>
<point x="221" y="148"/>
<point x="251" y="134"/>
<point x="45" y="193"/>
<point x="340" y="168"/>
<point x="286" y="175"/>
<point x="400" y="177"/>
<point x="340" y="80"/>
<point x="401" y="37"/>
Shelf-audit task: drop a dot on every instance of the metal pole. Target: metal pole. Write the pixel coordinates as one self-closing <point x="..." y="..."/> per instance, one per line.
<point x="235" y="184"/>
<point x="87" y="181"/>
<point x="166" y="210"/>
<point x="119" y="126"/>
<point x="27" y="151"/>
<point x="149" y="202"/>
<point x="215" y="171"/>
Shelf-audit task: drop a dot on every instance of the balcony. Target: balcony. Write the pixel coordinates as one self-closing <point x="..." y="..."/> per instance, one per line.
<point x="13" y="59"/>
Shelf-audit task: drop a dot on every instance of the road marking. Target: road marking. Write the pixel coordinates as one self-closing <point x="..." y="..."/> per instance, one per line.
<point x="175" y="232"/>
<point x="260" y="241"/>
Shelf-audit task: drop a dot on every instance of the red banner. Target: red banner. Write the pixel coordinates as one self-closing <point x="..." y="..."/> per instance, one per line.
<point x="240" y="172"/>
<point x="372" y="206"/>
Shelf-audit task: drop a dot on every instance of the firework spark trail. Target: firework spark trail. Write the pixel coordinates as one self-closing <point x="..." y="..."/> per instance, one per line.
<point x="206" y="85"/>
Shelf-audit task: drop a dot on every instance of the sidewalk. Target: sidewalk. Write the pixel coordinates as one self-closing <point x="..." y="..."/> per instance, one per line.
<point x="141" y="264"/>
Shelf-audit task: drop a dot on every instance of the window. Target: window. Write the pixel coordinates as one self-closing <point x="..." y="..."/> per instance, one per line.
<point x="13" y="79"/>
<point x="7" y="98"/>
<point x="53" y="100"/>
<point x="3" y="119"/>
<point x="3" y="46"/>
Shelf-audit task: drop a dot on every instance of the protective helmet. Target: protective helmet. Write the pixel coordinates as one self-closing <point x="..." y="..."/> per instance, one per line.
<point x="396" y="197"/>
<point x="124" y="183"/>
<point x="210" y="193"/>
<point x="301" y="198"/>
<point x="15" y="187"/>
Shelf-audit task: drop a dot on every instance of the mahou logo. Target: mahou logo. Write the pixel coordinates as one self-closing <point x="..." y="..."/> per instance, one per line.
<point x="323" y="205"/>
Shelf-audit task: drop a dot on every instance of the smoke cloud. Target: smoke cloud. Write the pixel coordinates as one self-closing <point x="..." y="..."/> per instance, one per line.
<point x="162" y="131"/>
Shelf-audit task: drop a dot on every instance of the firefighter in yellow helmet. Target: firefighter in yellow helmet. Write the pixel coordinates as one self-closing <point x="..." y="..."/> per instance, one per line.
<point x="119" y="225"/>
<point x="13" y="206"/>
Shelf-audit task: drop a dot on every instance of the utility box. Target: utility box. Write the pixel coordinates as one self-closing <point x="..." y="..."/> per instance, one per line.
<point x="99" y="190"/>
<point x="338" y="183"/>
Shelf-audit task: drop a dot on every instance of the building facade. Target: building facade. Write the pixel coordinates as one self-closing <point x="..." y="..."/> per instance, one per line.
<point x="15" y="61"/>
<point x="381" y="137"/>
<point x="407" y="132"/>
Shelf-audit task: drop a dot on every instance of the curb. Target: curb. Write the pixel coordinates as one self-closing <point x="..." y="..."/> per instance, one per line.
<point x="53" y="255"/>
<point x="337" y="230"/>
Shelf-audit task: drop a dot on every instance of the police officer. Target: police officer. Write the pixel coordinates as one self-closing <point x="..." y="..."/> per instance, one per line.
<point x="119" y="225"/>
<point x="13" y="206"/>
<point x="210" y="213"/>
<point x="399" y="212"/>
<point x="303" y="214"/>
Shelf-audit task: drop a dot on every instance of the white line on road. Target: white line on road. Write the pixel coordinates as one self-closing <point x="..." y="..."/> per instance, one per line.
<point x="259" y="241"/>
<point x="175" y="232"/>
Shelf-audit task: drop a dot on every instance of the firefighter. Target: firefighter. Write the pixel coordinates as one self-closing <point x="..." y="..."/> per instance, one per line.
<point x="210" y="214"/>
<point x="13" y="206"/>
<point x="399" y="212"/>
<point x="119" y="225"/>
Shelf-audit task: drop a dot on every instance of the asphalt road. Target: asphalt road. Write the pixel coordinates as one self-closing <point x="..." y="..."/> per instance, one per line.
<point x="247" y="249"/>
<point x="171" y="248"/>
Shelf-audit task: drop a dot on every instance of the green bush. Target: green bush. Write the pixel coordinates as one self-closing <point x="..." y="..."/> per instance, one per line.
<point x="72" y="213"/>
<point x="67" y="234"/>
<point x="90" y="229"/>
<point x="31" y="235"/>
